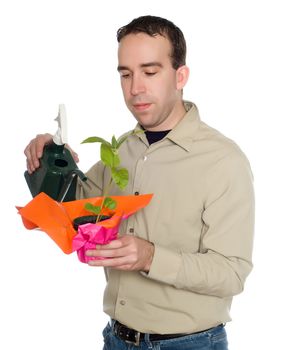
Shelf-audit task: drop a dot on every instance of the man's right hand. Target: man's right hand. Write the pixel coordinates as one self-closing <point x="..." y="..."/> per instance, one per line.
<point x="34" y="151"/>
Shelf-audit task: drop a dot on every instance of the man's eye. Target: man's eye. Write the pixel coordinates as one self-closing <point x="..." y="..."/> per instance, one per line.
<point x="150" y="73"/>
<point x="125" y="76"/>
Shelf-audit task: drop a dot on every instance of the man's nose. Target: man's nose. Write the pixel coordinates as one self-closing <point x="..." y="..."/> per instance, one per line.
<point x="137" y="86"/>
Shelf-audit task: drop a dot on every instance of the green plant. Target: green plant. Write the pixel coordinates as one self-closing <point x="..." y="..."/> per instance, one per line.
<point x="120" y="176"/>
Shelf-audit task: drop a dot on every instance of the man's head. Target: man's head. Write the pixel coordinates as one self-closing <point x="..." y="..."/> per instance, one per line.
<point x="151" y="62"/>
<point x="153" y="26"/>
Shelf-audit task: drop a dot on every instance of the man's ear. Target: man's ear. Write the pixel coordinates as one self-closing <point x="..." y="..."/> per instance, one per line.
<point x="182" y="76"/>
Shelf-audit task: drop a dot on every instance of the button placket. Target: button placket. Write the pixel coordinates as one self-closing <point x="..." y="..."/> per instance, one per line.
<point x="138" y="174"/>
<point x="136" y="186"/>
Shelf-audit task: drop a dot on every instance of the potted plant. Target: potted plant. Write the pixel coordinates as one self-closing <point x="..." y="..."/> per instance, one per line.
<point x="109" y="156"/>
<point x="56" y="218"/>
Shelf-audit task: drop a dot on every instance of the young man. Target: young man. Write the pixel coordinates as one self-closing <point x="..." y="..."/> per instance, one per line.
<point x="176" y="265"/>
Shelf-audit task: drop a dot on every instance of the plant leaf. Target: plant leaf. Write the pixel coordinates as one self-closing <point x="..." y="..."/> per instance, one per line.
<point x="116" y="160"/>
<point x="114" y="142"/>
<point x="92" y="208"/>
<point x="109" y="203"/>
<point x="95" y="139"/>
<point x="120" y="177"/>
<point x="106" y="155"/>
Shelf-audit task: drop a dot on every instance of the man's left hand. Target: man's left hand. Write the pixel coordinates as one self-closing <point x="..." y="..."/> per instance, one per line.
<point x="125" y="253"/>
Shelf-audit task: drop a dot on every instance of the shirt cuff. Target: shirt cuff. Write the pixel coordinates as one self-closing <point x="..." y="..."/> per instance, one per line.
<point x="165" y="265"/>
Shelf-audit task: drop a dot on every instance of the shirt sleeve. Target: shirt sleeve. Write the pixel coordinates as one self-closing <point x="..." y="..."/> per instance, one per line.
<point x="92" y="187"/>
<point x="224" y="259"/>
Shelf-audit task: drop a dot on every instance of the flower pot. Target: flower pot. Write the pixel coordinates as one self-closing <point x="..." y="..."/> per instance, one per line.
<point x="88" y="219"/>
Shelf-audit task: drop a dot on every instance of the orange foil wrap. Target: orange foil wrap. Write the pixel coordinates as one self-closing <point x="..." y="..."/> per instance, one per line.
<point x="56" y="218"/>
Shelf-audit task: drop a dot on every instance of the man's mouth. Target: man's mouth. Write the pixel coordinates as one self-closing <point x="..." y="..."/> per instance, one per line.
<point x="141" y="106"/>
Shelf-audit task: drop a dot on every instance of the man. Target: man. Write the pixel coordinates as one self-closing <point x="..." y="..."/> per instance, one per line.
<point x="177" y="263"/>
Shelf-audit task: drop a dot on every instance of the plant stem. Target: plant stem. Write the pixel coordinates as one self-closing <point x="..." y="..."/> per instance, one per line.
<point x="104" y="194"/>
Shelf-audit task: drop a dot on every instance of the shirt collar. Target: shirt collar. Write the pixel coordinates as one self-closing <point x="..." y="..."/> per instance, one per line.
<point x="183" y="133"/>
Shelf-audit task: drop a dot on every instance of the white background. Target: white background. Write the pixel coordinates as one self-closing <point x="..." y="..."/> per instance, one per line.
<point x="249" y="80"/>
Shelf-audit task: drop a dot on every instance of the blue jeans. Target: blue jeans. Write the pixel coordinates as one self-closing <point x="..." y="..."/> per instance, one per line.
<point x="213" y="339"/>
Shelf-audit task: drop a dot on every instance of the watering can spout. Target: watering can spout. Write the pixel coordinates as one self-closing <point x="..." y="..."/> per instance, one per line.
<point x="69" y="182"/>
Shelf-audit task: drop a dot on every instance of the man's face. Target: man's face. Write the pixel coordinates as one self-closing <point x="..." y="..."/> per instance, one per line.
<point x="149" y="82"/>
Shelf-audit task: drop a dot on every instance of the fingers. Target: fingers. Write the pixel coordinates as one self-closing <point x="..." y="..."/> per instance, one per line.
<point x="73" y="153"/>
<point x="121" y="263"/>
<point x="115" y="249"/>
<point x="116" y="258"/>
<point x="125" y="253"/>
<point x="34" y="151"/>
<point x="117" y="243"/>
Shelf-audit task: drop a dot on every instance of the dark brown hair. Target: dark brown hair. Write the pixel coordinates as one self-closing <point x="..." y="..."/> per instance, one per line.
<point x="153" y="26"/>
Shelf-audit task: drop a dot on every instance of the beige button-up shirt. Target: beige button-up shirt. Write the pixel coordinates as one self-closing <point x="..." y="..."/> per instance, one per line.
<point x="200" y="219"/>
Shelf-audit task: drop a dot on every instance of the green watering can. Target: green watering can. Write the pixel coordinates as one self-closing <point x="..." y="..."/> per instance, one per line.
<point x="58" y="172"/>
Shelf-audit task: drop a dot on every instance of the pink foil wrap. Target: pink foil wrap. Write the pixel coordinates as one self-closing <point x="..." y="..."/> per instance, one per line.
<point x="88" y="236"/>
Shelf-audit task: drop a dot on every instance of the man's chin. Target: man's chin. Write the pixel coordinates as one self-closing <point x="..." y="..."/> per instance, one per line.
<point x="142" y="117"/>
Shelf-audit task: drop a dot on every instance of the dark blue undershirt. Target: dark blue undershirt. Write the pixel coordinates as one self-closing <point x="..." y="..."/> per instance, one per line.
<point x="154" y="136"/>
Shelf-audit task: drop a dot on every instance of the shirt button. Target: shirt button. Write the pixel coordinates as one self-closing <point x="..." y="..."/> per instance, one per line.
<point x="122" y="302"/>
<point x="145" y="158"/>
<point x="136" y="193"/>
<point x="131" y="230"/>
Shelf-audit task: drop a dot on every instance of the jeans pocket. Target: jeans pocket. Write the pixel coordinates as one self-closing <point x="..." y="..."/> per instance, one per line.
<point x="219" y="339"/>
<point x="106" y="331"/>
<point x="199" y="341"/>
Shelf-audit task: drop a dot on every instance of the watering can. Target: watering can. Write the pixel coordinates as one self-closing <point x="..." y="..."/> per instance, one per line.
<point x="58" y="172"/>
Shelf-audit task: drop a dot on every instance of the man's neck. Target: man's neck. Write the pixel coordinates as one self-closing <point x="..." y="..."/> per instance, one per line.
<point x="175" y="116"/>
